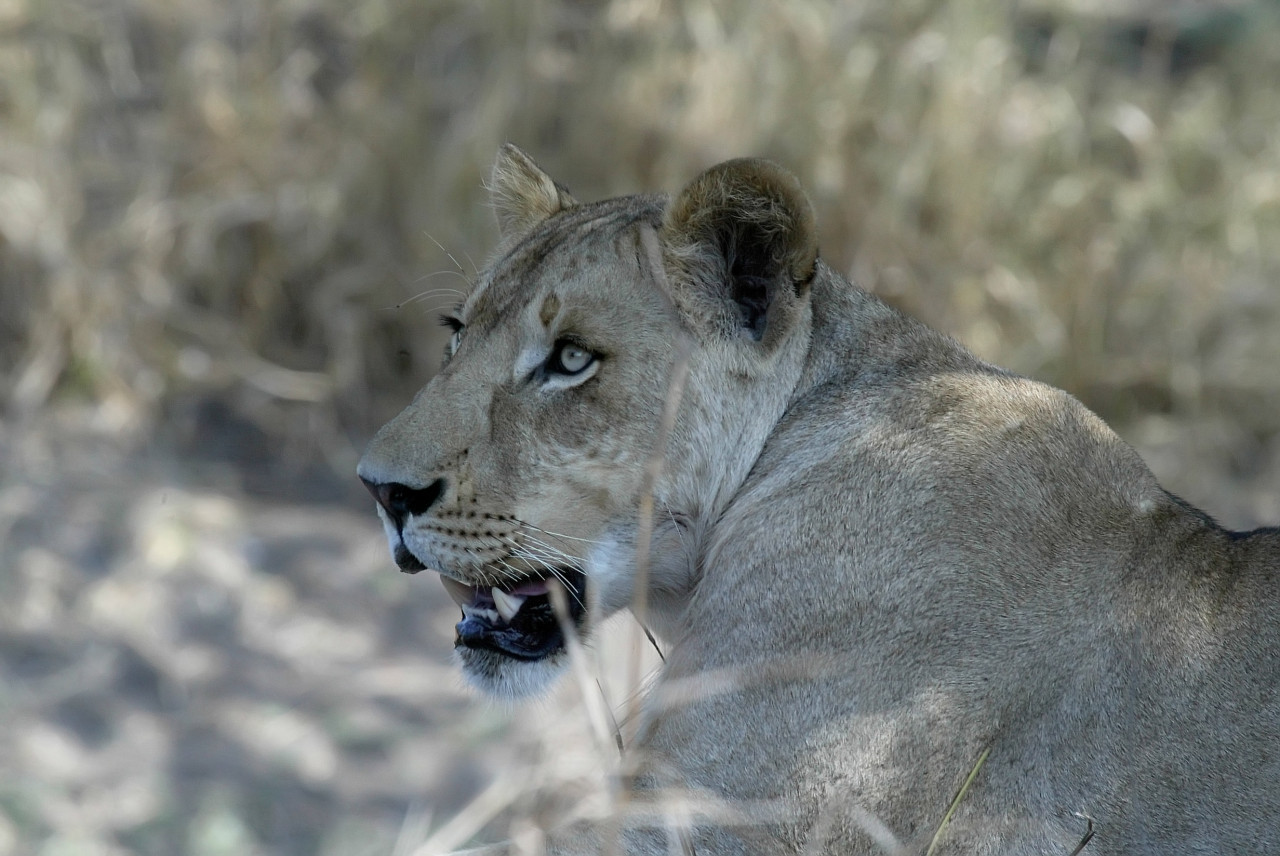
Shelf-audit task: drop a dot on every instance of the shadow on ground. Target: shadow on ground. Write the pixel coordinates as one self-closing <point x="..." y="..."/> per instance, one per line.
<point x="190" y="669"/>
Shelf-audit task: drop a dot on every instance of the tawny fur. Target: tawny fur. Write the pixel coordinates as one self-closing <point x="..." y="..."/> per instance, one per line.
<point x="903" y="557"/>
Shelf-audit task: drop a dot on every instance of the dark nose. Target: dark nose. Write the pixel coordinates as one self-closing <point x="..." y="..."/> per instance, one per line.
<point x="400" y="500"/>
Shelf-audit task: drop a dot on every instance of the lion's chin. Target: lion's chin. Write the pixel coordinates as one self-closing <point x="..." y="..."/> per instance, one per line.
<point x="502" y="677"/>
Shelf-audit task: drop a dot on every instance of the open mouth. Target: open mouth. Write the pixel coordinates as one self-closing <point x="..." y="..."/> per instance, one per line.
<point x="517" y="618"/>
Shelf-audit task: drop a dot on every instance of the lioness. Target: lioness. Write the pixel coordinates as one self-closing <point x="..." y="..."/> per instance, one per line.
<point x="920" y="571"/>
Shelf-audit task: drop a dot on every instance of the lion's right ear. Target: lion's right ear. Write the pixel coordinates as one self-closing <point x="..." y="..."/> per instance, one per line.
<point x="522" y="194"/>
<point x="741" y="238"/>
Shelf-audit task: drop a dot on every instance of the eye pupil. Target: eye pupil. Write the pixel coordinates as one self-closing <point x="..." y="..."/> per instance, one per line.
<point x="573" y="359"/>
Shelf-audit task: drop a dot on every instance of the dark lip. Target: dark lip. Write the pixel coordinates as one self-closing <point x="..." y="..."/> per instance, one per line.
<point x="534" y="633"/>
<point x="407" y="562"/>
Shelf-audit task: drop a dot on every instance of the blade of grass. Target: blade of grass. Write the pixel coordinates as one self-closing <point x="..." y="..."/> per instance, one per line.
<point x="964" y="789"/>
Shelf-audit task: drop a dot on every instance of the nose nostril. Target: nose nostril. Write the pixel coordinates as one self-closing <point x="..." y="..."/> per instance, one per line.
<point x="417" y="501"/>
<point x="400" y="500"/>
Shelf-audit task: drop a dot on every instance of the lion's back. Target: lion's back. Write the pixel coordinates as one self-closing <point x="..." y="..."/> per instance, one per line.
<point x="972" y="560"/>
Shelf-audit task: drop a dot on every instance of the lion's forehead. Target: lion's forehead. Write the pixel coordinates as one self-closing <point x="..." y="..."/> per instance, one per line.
<point x="587" y="246"/>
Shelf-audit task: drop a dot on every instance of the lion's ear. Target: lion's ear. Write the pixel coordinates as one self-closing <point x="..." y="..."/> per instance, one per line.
<point x="743" y="233"/>
<point x="522" y="194"/>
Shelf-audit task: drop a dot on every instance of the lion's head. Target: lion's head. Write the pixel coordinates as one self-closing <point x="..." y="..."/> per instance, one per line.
<point x="610" y="381"/>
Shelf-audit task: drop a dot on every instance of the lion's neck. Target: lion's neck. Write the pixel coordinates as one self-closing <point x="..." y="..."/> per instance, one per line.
<point x="856" y="335"/>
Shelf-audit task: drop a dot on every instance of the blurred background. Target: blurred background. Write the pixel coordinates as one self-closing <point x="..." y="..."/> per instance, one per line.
<point x="226" y="227"/>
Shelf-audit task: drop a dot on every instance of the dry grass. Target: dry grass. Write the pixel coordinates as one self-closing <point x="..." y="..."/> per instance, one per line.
<point x="234" y="199"/>
<point x="245" y="215"/>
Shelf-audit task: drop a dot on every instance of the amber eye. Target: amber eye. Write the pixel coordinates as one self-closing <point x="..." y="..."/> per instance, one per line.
<point x="570" y="359"/>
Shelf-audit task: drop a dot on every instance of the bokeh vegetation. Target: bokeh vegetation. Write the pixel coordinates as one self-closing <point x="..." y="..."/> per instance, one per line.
<point x="263" y="202"/>
<point x="226" y="227"/>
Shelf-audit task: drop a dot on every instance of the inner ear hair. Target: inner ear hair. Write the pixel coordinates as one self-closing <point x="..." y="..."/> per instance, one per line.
<point x="745" y="229"/>
<point x="749" y="292"/>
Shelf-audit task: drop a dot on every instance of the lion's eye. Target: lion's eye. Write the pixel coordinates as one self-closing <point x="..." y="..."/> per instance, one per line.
<point x="458" y="329"/>
<point x="570" y="359"/>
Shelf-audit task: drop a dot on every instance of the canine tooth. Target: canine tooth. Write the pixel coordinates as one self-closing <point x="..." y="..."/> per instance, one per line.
<point x="508" y="604"/>
<point x="463" y="595"/>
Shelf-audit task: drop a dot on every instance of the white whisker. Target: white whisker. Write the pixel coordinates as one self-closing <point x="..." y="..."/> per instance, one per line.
<point x="539" y="559"/>
<point x="461" y="270"/>
<point x="453" y="293"/>
<point x="555" y="534"/>
<point x="548" y="550"/>
<point x="513" y="573"/>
